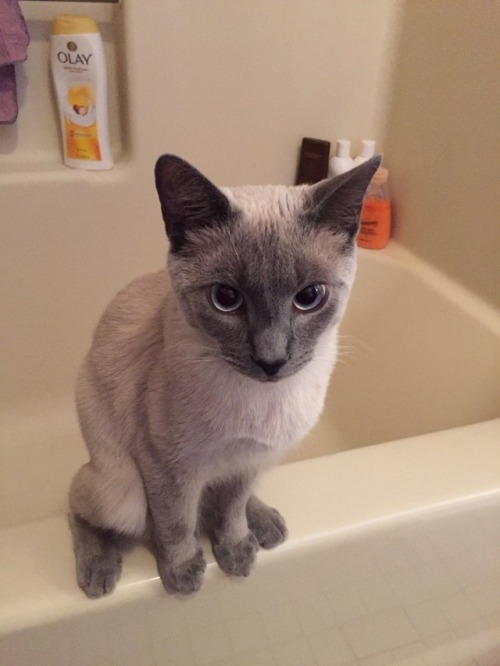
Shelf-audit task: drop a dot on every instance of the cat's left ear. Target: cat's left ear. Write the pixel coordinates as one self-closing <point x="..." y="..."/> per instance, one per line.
<point x="336" y="203"/>
<point x="188" y="200"/>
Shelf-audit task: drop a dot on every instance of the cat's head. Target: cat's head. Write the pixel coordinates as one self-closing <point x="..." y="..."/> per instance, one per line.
<point x="263" y="271"/>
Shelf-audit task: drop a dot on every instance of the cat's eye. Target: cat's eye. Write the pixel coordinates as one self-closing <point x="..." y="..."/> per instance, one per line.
<point x="310" y="298"/>
<point x="225" y="298"/>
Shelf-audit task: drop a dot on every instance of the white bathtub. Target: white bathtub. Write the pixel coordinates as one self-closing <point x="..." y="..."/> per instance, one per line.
<point x="393" y="506"/>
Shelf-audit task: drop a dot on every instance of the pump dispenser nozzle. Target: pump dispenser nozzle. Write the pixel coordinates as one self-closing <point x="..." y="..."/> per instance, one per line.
<point x="367" y="151"/>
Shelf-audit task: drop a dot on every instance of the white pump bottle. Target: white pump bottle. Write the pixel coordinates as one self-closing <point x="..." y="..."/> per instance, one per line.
<point x="342" y="160"/>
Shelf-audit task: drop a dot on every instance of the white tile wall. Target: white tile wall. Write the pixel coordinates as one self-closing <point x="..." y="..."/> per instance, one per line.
<point x="427" y="618"/>
<point x="378" y="633"/>
<point x="295" y="652"/>
<point x="331" y="648"/>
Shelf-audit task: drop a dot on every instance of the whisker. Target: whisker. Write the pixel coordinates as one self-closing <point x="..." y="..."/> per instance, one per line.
<point x="179" y="360"/>
<point x="231" y="240"/>
<point x="354" y="341"/>
<point x="187" y="345"/>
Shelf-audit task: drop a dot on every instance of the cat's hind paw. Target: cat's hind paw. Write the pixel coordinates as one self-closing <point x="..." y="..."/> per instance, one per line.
<point x="237" y="559"/>
<point x="266" y="523"/>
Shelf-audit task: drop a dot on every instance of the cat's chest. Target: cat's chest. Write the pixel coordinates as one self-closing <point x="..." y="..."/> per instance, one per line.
<point x="274" y="414"/>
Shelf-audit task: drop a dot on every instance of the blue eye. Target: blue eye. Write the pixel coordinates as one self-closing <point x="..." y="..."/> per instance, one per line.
<point x="225" y="298"/>
<point x="310" y="298"/>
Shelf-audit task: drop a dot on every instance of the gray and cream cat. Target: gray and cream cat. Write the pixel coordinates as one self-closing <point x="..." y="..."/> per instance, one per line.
<point x="201" y="377"/>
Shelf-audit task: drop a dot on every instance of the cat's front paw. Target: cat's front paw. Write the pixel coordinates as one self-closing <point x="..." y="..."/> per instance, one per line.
<point x="267" y="524"/>
<point x="98" y="575"/>
<point x="184" y="578"/>
<point x="237" y="559"/>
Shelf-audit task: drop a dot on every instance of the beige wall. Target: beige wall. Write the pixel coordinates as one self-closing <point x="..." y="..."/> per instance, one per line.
<point x="443" y="138"/>
<point x="235" y="85"/>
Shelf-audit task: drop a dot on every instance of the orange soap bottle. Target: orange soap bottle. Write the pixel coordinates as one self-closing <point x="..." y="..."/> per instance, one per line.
<point x="375" y="226"/>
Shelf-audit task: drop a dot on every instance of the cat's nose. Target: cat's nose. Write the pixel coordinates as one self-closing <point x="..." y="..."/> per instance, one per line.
<point x="272" y="368"/>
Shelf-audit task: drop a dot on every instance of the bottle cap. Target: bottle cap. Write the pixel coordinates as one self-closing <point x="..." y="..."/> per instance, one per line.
<point x="367" y="148"/>
<point x="380" y="176"/>
<point x="66" y="24"/>
<point x="343" y="148"/>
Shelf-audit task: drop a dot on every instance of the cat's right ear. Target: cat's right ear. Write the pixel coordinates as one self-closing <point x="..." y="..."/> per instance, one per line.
<point x="188" y="200"/>
<point x="336" y="203"/>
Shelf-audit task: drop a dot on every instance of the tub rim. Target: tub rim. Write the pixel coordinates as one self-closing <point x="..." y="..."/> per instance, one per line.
<point x="450" y="469"/>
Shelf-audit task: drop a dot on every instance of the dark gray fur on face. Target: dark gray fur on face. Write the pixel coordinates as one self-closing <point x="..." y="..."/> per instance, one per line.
<point x="182" y="405"/>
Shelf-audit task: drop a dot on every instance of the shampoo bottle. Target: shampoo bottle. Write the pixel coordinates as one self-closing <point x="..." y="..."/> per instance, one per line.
<point x="342" y="160"/>
<point x="367" y="151"/>
<point x="79" y="73"/>
<point x="376" y="213"/>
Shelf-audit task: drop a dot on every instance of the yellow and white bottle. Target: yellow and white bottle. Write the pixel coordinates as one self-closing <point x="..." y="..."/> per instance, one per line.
<point x="79" y="73"/>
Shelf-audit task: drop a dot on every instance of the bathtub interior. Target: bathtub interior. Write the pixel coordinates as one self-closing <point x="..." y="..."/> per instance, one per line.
<point x="413" y="360"/>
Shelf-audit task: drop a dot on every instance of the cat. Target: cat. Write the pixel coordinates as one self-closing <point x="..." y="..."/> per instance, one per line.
<point x="201" y="377"/>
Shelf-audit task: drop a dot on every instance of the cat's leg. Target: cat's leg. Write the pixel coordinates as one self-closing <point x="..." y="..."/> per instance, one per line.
<point x="234" y="545"/>
<point x="266" y="523"/>
<point x="173" y="499"/>
<point x="106" y="502"/>
<point x="98" y="557"/>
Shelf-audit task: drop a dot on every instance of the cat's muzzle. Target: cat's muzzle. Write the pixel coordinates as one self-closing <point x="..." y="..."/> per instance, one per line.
<point x="270" y="369"/>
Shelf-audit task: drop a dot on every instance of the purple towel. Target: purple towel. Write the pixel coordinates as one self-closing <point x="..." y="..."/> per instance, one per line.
<point x="14" y="40"/>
